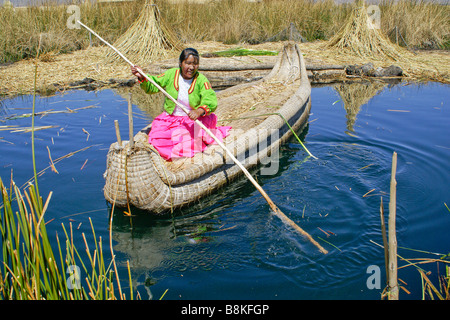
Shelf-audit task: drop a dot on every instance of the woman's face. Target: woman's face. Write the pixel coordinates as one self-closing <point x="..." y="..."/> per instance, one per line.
<point x="189" y="67"/>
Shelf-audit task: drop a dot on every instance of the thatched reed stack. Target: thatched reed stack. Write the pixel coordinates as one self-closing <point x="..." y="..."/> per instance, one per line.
<point x="361" y="37"/>
<point x="147" y="39"/>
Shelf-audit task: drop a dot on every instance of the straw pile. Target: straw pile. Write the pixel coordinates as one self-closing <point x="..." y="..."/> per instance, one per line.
<point x="361" y="37"/>
<point x="147" y="39"/>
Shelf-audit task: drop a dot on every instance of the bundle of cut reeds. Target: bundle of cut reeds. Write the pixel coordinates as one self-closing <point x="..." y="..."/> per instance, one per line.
<point x="359" y="36"/>
<point x="147" y="39"/>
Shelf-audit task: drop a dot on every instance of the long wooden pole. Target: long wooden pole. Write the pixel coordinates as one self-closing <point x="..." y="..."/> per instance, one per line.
<point x="272" y="205"/>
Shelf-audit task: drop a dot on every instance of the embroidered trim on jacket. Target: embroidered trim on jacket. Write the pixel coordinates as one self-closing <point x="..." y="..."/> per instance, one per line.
<point x="191" y="88"/>
<point x="176" y="79"/>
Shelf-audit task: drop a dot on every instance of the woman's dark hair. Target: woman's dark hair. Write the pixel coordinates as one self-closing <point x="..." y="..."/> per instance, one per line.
<point x="187" y="52"/>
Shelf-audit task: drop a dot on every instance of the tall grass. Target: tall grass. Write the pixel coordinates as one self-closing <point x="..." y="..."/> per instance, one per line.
<point x="421" y="23"/>
<point x="233" y="21"/>
<point x="31" y="270"/>
<point x="22" y="28"/>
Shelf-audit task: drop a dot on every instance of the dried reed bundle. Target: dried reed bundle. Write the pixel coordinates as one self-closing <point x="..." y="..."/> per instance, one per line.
<point x="360" y="37"/>
<point x="147" y="39"/>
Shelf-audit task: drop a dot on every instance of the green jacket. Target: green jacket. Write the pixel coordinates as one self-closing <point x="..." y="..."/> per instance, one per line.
<point x="200" y="93"/>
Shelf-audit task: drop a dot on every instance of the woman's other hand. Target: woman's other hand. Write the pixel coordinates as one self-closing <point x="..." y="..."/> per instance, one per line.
<point x="196" y="113"/>
<point x="134" y="71"/>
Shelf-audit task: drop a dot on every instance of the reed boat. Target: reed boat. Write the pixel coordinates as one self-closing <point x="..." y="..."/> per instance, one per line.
<point x="263" y="114"/>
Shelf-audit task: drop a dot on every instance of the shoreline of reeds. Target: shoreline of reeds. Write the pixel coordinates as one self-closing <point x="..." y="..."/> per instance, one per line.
<point x="421" y="24"/>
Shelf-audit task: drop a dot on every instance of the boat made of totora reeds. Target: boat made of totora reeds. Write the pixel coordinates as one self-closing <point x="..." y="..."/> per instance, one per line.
<point x="263" y="114"/>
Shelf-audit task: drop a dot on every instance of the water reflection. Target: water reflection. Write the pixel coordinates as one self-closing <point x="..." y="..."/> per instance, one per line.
<point x="185" y="240"/>
<point x="356" y="94"/>
<point x="231" y="243"/>
<point x="219" y="233"/>
<point x="160" y="248"/>
<point x="150" y="104"/>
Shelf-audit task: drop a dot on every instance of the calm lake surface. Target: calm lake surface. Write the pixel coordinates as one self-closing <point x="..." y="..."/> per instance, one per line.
<point x="230" y="246"/>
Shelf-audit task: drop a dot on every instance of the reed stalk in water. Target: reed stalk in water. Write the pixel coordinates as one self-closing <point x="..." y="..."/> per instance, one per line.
<point x="30" y="269"/>
<point x="393" y="282"/>
<point x="33" y="112"/>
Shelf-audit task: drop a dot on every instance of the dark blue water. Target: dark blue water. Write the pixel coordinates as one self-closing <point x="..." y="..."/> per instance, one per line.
<point x="230" y="246"/>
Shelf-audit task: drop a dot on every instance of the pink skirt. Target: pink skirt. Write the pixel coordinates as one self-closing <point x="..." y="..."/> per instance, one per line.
<point x="179" y="136"/>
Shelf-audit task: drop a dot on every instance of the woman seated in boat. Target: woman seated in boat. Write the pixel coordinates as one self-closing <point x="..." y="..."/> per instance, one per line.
<point x="174" y="133"/>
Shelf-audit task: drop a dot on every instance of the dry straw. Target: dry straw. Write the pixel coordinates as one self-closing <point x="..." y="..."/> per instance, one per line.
<point x="147" y="39"/>
<point x="360" y="36"/>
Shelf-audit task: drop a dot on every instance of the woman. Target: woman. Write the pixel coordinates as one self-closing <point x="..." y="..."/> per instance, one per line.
<point x="174" y="133"/>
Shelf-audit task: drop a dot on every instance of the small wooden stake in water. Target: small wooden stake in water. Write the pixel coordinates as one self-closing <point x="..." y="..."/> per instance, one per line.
<point x="119" y="139"/>
<point x="393" y="283"/>
<point x="385" y="241"/>
<point x="130" y="121"/>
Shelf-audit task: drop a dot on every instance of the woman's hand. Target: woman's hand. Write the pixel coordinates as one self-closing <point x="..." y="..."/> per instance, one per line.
<point x="134" y="71"/>
<point x="196" y="113"/>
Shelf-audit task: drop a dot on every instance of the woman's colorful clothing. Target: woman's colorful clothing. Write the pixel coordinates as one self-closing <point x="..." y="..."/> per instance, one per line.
<point x="200" y="92"/>
<point x="173" y="133"/>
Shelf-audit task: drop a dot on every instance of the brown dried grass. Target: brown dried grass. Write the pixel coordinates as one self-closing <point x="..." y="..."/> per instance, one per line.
<point x="21" y="31"/>
<point x="359" y="42"/>
<point x="18" y="78"/>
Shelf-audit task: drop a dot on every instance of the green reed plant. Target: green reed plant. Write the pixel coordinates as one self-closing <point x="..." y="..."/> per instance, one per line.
<point x="30" y="269"/>
<point x="440" y="288"/>
<point x="237" y="52"/>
